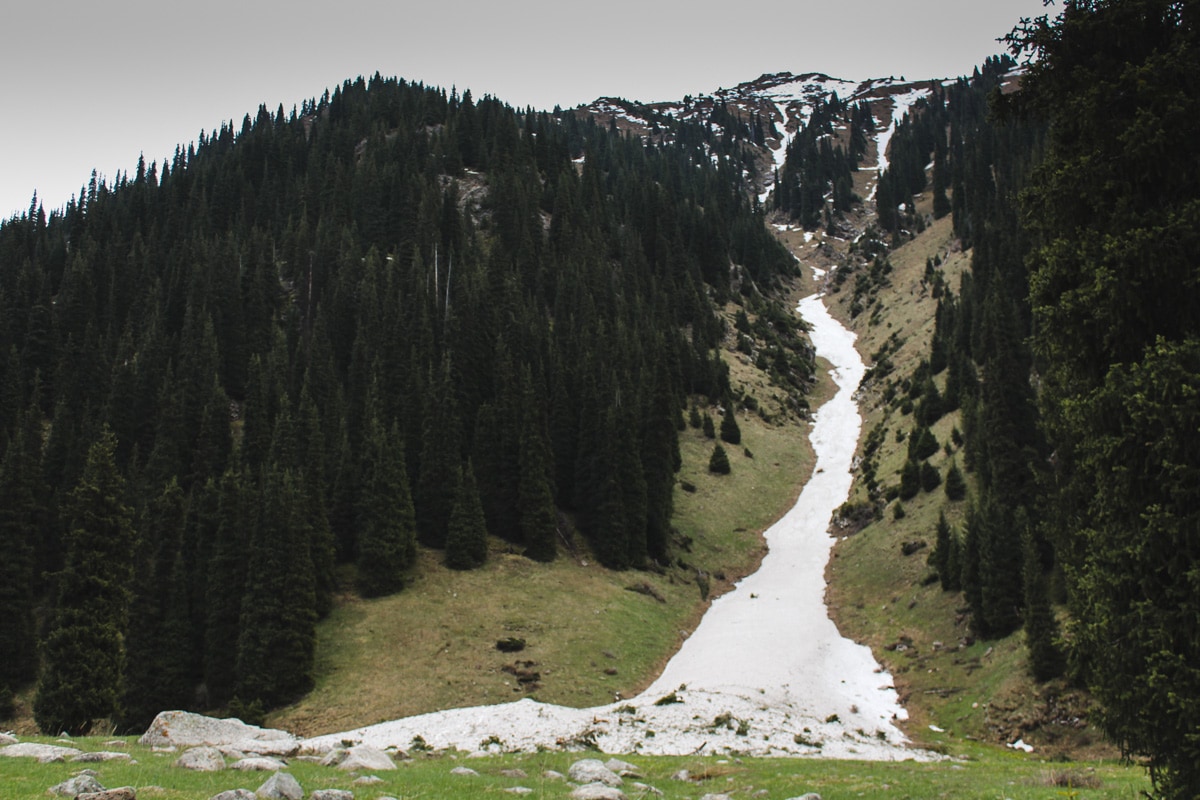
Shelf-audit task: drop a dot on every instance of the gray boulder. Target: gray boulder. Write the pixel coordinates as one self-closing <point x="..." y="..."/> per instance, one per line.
<point x="122" y="793"/>
<point x="809" y="796"/>
<point x="622" y="768"/>
<point x="44" y="753"/>
<point x="365" y="758"/>
<point x="464" y="771"/>
<point x="7" y="738"/>
<point x="281" y="786"/>
<point x="99" y="756"/>
<point x="234" y="794"/>
<point x="331" y="794"/>
<point x="76" y="786"/>
<point x="258" y="764"/>
<point x="184" y="729"/>
<point x="202" y="759"/>
<point x="592" y="770"/>
<point x="597" y="791"/>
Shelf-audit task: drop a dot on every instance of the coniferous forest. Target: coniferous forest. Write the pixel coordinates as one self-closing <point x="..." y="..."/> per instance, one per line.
<point x="393" y="317"/>
<point x="399" y="318"/>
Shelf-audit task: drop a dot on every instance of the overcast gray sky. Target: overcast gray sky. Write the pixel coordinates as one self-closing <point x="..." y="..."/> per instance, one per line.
<point x="91" y="84"/>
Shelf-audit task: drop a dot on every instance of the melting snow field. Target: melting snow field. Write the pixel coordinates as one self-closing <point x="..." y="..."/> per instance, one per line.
<point x="765" y="673"/>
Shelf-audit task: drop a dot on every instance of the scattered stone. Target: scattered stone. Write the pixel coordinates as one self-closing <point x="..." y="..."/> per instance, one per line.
<point x="234" y="794"/>
<point x="463" y="771"/>
<point x="331" y="794"/>
<point x="519" y="790"/>
<point x="367" y="780"/>
<point x="682" y="775"/>
<point x="809" y="796"/>
<point x="365" y="757"/>
<point x="184" y="729"/>
<point x="7" y="739"/>
<point x="121" y="793"/>
<point x="514" y="773"/>
<point x="281" y="786"/>
<point x="592" y="770"/>
<point x="78" y="785"/>
<point x="622" y="768"/>
<point x="597" y="791"/>
<point x="711" y="796"/>
<point x="44" y="753"/>
<point x="647" y="789"/>
<point x="101" y="755"/>
<point x="202" y="759"/>
<point x="553" y="775"/>
<point x="334" y="757"/>
<point x="116" y="743"/>
<point x="258" y="764"/>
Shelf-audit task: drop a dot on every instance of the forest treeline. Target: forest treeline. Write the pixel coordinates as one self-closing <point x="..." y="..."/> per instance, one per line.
<point x="1072" y="349"/>
<point x="393" y="317"/>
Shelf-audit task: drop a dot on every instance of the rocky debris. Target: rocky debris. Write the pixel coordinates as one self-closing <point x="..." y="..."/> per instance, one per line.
<point x="552" y="775"/>
<point x="44" y="753"/>
<point x="467" y="771"/>
<point x="280" y="786"/>
<point x="712" y="796"/>
<point x="809" y="796"/>
<point x="519" y="790"/>
<point x="258" y="764"/>
<point x="645" y="789"/>
<point x="331" y="794"/>
<point x="202" y="759"/>
<point x="121" y="793"/>
<point x="7" y="739"/>
<point x="84" y="782"/>
<point x="100" y="756"/>
<point x="514" y="773"/>
<point x="235" y="794"/>
<point x="592" y="770"/>
<point x="367" y="780"/>
<point x="597" y="791"/>
<point x="184" y="729"/>
<point x="363" y="757"/>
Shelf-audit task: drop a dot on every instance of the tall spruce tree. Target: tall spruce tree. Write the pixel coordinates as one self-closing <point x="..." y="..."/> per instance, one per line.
<point x="387" y="524"/>
<point x="466" y="533"/>
<point x="84" y="650"/>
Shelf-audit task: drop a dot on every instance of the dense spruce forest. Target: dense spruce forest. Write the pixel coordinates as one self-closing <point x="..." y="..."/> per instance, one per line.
<point x="1072" y="349"/>
<point x="392" y="318"/>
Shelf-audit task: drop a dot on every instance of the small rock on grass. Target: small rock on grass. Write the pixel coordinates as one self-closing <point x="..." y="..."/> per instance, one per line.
<point x="367" y="780"/>
<point x="281" y="786"/>
<point x="463" y="771"/>
<point x="234" y="794"/>
<point x="331" y="794"/>
<point x="76" y="786"/>
<point x="258" y="764"/>
<point x="809" y="796"/>
<point x="121" y="793"/>
<point x="6" y="739"/>
<point x="202" y="759"/>
<point x="597" y="791"/>
<point x="102" y="755"/>
<point x="592" y="770"/>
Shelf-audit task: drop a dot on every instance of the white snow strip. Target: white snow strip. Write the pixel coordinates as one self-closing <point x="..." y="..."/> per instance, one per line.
<point x="766" y="654"/>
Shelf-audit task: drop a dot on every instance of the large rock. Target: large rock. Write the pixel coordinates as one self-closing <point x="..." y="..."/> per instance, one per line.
<point x="234" y="794"/>
<point x="76" y="786"/>
<point x="281" y="786"/>
<point x="7" y="738"/>
<point x="42" y="752"/>
<point x="184" y="729"/>
<point x="592" y="770"/>
<point x="99" y="756"/>
<point x="364" y="758"/>
<point x="202" y="759"/>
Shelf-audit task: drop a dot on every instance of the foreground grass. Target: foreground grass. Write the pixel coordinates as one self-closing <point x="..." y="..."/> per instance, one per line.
<point x="985" y="774"/>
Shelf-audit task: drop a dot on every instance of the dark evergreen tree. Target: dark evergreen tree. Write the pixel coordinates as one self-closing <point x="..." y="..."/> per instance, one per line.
<point x="730" y="432"/>
<point x="956" y="484"/>
<point x="84" y="651"/>
<point x="387" y="536"/>
<point x="466" y="533"/>
<point x="19" y="523"/>
<point x="718" y="463"/>
<point x="1041" y="627"/>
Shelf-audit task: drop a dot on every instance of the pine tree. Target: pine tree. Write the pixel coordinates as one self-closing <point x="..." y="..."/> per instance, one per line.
<point x="730" y="432"/>
<point x="718" y="462"/>
<point x="225" y="585"/>
<point x="1041" y="626"/>
<point x="466" y="534"/>
<point x="910" y="480"/>
<point x="84" y="650"/>
<point x="956" y="484"/>
<point x="387" y="536"/>
<point x="19" y="520"/>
